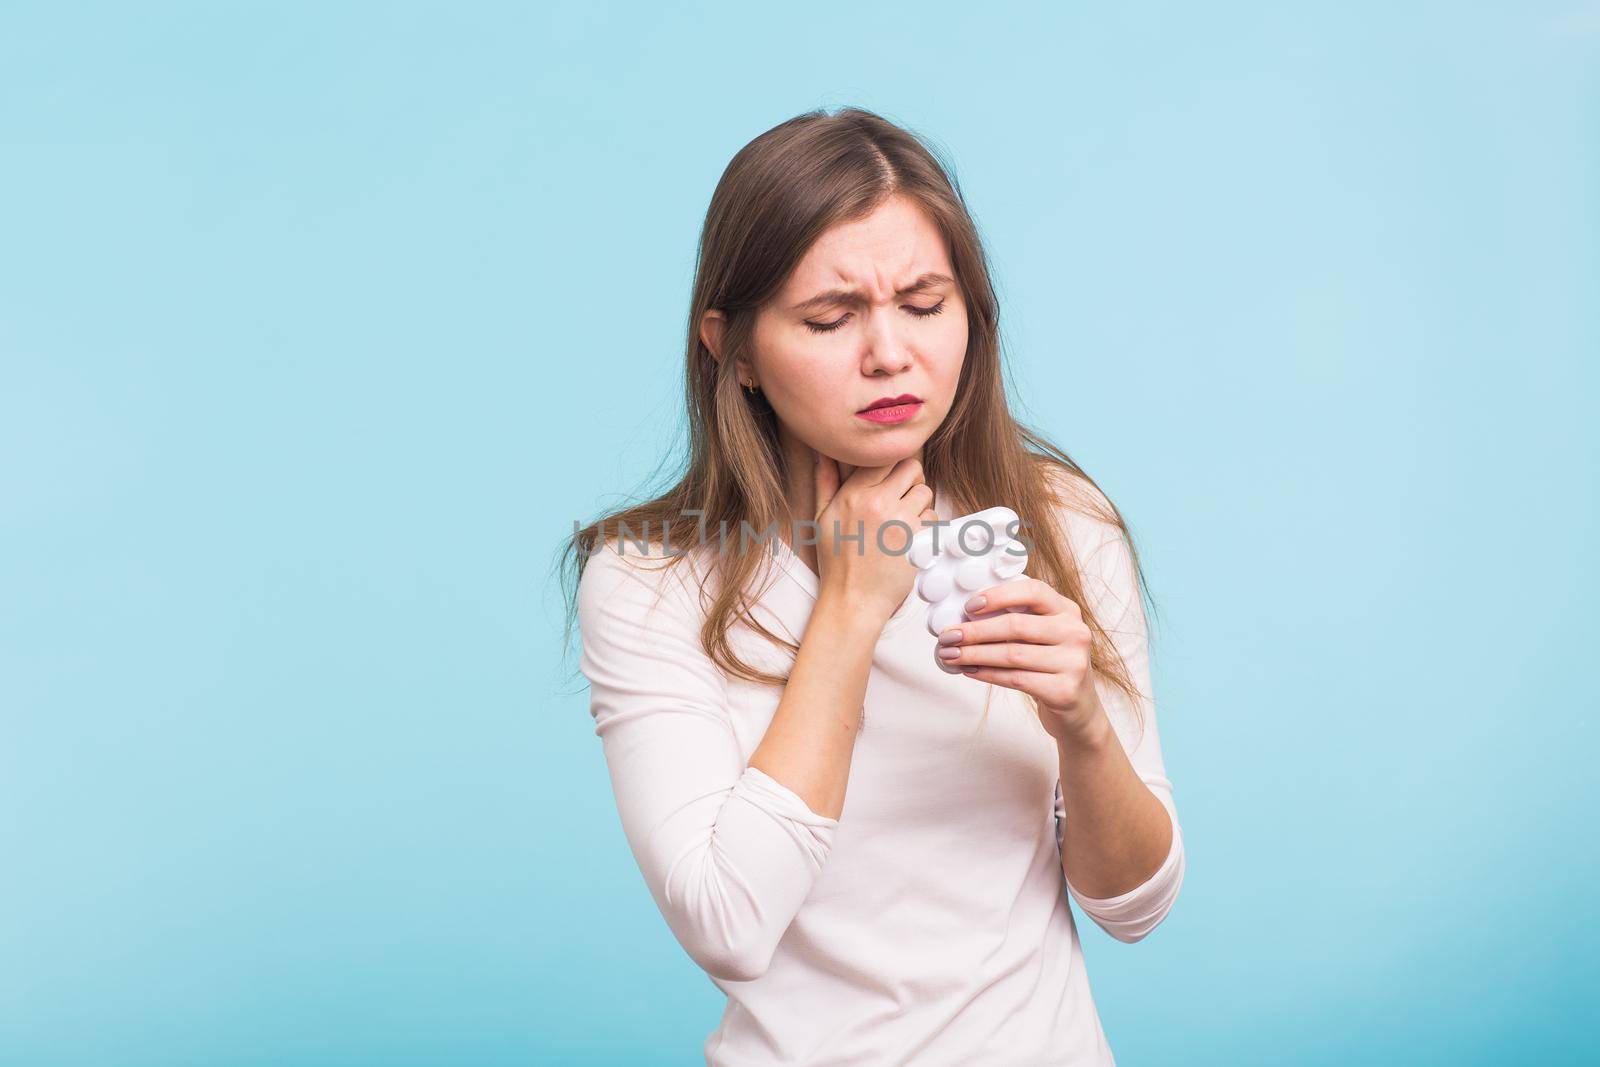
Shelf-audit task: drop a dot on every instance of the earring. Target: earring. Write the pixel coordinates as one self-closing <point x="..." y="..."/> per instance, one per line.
<point x="750" y="388"/>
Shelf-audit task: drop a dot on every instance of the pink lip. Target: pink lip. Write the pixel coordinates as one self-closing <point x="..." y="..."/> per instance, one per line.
<point x="892" y="413"/>
<point x="886" y="401"/>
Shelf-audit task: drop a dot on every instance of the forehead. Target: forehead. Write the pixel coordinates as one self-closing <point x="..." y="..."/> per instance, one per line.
<point x="889" y="248"/>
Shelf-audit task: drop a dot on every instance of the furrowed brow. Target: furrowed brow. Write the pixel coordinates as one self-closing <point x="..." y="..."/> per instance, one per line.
<point x="856" y="296"/>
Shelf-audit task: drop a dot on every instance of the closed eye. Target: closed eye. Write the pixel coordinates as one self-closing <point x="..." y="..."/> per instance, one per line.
<point x="829" y="327"/>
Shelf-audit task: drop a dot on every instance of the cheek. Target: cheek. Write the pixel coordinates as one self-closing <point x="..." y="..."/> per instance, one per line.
<point x="805" y="372"/>
<point x="949" y="349"/>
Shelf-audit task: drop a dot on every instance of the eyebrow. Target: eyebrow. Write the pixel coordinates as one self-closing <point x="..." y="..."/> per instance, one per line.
<point x="846" y="296"/>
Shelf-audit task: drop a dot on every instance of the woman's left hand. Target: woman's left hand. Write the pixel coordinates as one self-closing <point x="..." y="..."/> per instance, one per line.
<point x="1044" y="654"/>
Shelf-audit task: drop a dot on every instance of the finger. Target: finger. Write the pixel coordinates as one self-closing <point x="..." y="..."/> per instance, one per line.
<point x="867" y="475"/>
<point x="1030" y="682"/>
<point x="903" y="475"/>
<point x="1007" y="626"/>
<point x="919" y="496"/>
<point x="918" y="500"/>
<point x="1048" y="658"/>
<point x="1030" y="594"/>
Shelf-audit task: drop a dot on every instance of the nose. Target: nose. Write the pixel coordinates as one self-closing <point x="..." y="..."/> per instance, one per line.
<point x="887" y="352"/>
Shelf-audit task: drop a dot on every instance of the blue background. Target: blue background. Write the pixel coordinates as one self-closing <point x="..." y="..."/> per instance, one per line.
<point x="320" y="324"/>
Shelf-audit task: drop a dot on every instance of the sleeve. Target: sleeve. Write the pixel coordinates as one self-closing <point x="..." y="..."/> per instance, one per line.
<point x="728" y="852"/>
<point x="1110" y="584"/>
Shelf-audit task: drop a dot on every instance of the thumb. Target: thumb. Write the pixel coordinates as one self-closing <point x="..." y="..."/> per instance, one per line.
<point x="824" y="479"/>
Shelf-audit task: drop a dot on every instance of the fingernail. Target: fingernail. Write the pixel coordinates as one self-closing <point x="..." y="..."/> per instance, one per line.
<point x="977" y="602"/>
<point x="949" y="652"/>
<point x="950" y="637"/>
<point x="969" y="670"/>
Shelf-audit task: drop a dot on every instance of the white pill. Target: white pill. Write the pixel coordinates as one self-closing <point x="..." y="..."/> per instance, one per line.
<point x="974" y="573"/>
<point x="933" y="585"/>
<point x="1009" y="564"/>
<point x="945" y="614"/>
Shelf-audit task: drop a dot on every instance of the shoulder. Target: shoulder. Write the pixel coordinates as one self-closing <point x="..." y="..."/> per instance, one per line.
<point x="624" y="575"/>
<point x="1083" y="512"/>
<point x="1103" y="547"/>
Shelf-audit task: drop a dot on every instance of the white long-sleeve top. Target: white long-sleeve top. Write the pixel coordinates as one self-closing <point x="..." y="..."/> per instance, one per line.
<point x="929" y="923"/>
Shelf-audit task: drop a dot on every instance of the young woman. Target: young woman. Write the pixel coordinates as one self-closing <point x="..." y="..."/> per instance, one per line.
<point x="870" y="856"/>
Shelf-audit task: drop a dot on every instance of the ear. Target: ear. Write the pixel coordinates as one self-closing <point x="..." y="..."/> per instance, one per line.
<point x="712" y="324"/>
<point x="712" y="327"/>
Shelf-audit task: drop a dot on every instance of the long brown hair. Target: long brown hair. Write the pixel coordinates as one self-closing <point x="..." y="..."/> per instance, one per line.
<point x="776" y="197"/>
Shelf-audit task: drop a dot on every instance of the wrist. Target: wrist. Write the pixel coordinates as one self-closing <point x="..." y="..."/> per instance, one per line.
<point x="850" y="612"/>
<point x="1092" y="734"/>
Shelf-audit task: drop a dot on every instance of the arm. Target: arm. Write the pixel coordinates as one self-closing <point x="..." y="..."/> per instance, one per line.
<point x="729" y="851"/>
<point x="813" y="732"/>
<point x="1116" y="824"/>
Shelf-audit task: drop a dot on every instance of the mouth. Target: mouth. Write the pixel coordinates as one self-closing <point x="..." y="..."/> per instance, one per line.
<point x="889" y="402"/>
<point x="891" y="408"/>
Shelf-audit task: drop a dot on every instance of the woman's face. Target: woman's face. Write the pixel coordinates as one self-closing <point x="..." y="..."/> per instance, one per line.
<point x="872" y="311"/>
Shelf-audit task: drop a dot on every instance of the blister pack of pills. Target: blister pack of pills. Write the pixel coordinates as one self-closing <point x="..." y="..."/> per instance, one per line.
<point x="961" y="558"/>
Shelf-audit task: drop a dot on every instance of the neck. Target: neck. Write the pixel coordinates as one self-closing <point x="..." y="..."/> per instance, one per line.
<point x="801" y="488"/>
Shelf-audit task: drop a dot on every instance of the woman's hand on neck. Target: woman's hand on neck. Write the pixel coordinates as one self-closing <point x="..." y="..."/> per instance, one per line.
<point x="799" y="466"/>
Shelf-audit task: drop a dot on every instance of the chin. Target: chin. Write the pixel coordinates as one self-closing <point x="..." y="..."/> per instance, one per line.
<point x="886" y="451"/>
